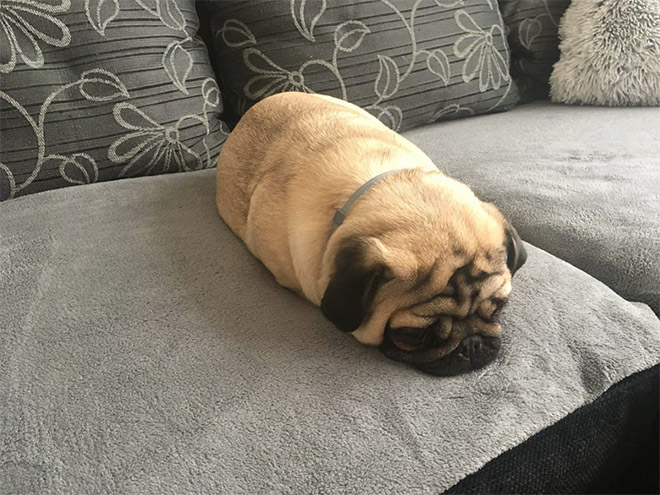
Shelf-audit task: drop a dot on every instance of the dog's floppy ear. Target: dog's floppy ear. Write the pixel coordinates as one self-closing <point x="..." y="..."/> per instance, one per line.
<point x="357" y="277"/>
<point x="515" y="251"/>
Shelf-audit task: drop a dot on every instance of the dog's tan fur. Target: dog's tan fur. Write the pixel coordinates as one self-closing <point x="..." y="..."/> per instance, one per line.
<point x="294" y="158"/>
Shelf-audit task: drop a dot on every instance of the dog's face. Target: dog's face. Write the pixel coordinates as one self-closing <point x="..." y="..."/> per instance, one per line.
<point x="436" y="267"/>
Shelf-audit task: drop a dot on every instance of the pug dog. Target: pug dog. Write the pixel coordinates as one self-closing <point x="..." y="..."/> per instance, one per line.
<point x="358" y="220"/>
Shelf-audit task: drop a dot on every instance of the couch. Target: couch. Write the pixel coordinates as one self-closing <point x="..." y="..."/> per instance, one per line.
<point x="143" y="349"/>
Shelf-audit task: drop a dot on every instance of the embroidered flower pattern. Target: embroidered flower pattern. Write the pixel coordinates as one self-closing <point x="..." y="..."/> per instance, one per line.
<point x="348" y="57"/>
<point x="482" y="58"/>
<point x="95" y="85"/>
<point x="23" y="24"/>
<point x="273" y="79"/>
<point x="30" y="33"/>
<point x="153" y="148"/>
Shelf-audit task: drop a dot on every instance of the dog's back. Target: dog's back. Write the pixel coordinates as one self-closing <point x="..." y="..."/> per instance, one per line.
<point x="290" y="162"/>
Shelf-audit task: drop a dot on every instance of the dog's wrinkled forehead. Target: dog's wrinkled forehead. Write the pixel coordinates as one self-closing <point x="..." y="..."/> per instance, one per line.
<point x="470" y="278"/>
<point x="457" y="328"/>
<point x="480" y="287"/>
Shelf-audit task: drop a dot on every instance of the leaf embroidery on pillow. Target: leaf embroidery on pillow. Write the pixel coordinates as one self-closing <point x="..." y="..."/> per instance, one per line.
<point x="100" y="13"/>
<point x="177" y="61"/>
<point x="101" y="85"/>
<point x="305" y="14"/>
<point x="178" y="64"/>
<point x="98" y="85"/>
<point x="236" y="34"/>
<point x="482" y="54"/>
<point x="349" y="35"/>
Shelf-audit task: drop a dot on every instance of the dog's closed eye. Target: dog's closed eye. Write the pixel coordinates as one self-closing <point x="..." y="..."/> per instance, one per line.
<point x="492" y="310"/>
<point x="408" y="338"/>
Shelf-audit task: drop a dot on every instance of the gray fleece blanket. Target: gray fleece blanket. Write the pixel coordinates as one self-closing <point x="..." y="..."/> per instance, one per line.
<point x="144" y="351"/>
<point x="583" y="183"/>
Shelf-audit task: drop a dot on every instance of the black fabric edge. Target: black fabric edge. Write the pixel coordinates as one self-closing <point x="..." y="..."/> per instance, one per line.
<point x="608" y="446"/>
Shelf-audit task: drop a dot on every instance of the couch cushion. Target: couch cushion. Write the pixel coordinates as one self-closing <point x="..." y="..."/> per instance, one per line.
<point x="534" y="40"/>
<point x="143" y="347"/>
<point x="600" y="66"/>
<point x="407" y="63"/>
<point x="96" y="90"/>
<point x="581" y="183"/>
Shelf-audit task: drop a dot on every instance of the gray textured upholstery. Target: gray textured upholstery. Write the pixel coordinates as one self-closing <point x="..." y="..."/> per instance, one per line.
<point x="144" y="351"/>
<point x="581" y="183"/>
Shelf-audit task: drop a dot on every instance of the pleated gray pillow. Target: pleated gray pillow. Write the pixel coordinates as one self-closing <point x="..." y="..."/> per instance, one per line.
<point x="610" y="54"/>
<point x="407" y="62"/>
<point x="96" y="90"/>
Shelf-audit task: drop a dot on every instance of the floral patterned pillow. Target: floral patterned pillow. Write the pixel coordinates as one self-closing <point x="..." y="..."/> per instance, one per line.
<point x="408" y="62"/>
<point x="533" y="36"/>
<point x="96" y="90"/>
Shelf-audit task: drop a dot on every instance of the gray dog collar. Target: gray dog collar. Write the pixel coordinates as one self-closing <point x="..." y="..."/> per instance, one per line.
<point x="341" y="213"/>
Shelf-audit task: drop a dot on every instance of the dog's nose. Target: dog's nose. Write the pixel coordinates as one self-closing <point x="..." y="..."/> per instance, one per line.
<point x="478" y="349"/>
<point x="473" y="352"/>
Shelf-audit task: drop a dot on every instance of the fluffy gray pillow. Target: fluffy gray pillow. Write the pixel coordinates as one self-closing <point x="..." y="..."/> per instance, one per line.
<point x="610" y="53"/>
